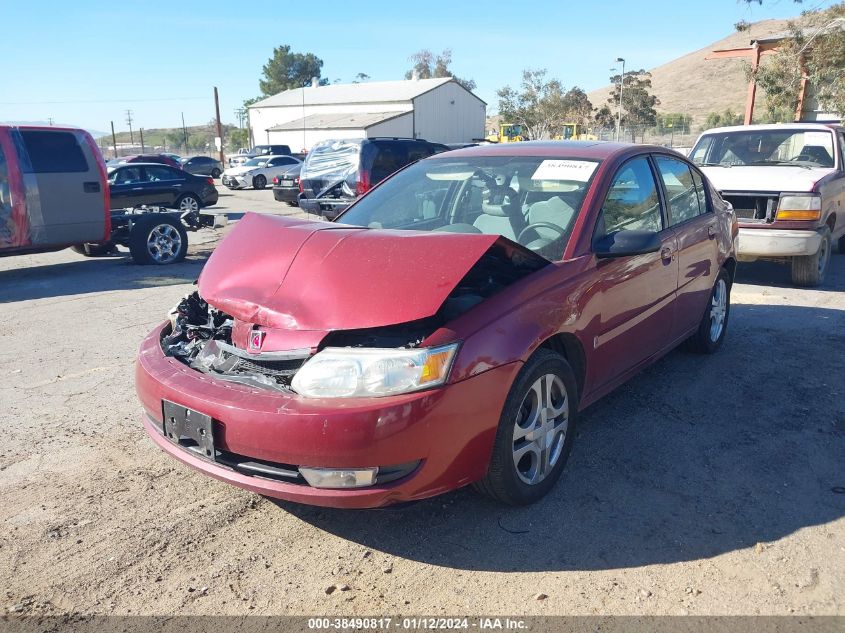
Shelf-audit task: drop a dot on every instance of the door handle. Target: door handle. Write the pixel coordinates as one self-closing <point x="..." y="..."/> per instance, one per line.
<point x="91" y="187"/>
<point x="666" y="254"/>
<point x="137" y="188"/>
<point x="711" y="231"/>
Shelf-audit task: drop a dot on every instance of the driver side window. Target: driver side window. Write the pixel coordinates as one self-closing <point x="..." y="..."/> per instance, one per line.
<point x="632" y="202"/>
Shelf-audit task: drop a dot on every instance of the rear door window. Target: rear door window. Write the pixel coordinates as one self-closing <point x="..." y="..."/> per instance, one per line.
<point x="126" y="176"/>
<point x="54" y="152"/>
<point x="417" y="151"/>
<point x="389" y="158"/>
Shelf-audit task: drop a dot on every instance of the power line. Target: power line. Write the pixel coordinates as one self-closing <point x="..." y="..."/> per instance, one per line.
<point x="101" y="101"/>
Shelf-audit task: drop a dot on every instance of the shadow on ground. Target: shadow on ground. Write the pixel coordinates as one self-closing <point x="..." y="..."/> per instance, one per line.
<point x="776" y="275"/>
<point x="88" y="275"/>
<point x="695" y="457"/>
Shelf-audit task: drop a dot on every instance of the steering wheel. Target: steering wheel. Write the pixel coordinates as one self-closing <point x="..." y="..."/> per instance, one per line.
<point x="537" y="225"/>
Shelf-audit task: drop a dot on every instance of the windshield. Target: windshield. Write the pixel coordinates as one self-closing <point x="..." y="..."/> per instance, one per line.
<point x="255" y="162"/>
<point x="791" y="147"/>
<point x="530" y="200"/>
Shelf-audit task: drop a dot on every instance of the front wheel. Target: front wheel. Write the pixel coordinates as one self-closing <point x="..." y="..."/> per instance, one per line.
<point x="536" y="431"/>
<point x="158" y="239"/>
<point x="714" y="324"/>
<point x="810" y="270"/>
<point x="259" y="182"/>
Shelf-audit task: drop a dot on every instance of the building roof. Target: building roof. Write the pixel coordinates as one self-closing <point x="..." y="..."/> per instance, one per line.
<point x="368" y="92"/>
<point x="338" y="121"/>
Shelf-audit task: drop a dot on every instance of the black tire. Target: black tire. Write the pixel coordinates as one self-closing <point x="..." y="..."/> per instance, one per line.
<point x="259" y="182"/>
<point x="141" y="239"/>
<point x="215" y="173"/>
<point x="90" y="249"/>
<point x="706" y="340"/>
<point x="504" y="479"/>
<point x="292" y="203"/>
<point x="809" y="271"/>
<point x="842" y="245"/>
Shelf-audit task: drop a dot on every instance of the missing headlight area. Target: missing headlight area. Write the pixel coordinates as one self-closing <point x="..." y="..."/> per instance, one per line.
<point x="201" y="336"/>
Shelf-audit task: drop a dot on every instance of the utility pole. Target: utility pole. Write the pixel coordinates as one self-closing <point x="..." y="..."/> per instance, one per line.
<point x="113" y="139"/>
<point x="129" y="123"/>
<point x="619" y="111"/>
<point x="219" y="139"/>
<point x="184" y="134"/>
<point x="50" y="121"/>
<point x="143" y="149"/>
<point x="241" y="114"/>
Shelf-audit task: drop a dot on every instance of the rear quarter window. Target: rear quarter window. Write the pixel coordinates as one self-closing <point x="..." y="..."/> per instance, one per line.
<point x="54" y="152"/>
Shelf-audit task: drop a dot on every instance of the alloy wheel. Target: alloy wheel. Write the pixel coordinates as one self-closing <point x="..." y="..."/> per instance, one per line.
<point x="540" y="430"/>
<point x="164" y="243"/>
<point x="189" y="203"/>
<point x="718" y="309"/>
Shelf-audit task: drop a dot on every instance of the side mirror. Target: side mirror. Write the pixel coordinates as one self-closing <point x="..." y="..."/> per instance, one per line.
<point x="627" y="244"/>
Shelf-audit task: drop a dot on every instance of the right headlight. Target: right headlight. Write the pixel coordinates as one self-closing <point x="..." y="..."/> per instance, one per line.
<point x="348" y="372"/>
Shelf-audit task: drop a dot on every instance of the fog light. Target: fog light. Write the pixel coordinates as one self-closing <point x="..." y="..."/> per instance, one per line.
<point x="339" y="478"/>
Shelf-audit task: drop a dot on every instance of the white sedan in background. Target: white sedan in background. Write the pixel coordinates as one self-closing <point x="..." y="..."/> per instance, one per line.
<point x="258" y="171"/>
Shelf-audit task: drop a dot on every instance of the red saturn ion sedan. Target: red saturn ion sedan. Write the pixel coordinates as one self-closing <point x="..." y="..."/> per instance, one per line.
<point x="446" y="330"/>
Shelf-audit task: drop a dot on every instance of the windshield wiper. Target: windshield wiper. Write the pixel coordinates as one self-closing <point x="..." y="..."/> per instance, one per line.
<point x="716" y="165"/>
<point x="782" y="163"/>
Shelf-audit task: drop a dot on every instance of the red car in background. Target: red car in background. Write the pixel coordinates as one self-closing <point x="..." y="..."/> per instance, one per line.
<point x="446" y="330"/>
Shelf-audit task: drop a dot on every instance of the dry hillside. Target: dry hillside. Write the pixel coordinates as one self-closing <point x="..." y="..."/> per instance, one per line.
<point x="696" y="87"/>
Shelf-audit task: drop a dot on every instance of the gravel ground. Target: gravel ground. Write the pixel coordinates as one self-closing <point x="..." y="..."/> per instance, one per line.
<point x="703" y="486"/>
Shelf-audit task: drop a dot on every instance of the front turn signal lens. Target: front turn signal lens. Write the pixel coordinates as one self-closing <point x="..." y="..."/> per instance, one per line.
<point x="804" y="208"/>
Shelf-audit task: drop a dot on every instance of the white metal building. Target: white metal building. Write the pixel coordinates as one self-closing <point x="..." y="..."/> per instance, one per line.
<point x="439" y="110"/>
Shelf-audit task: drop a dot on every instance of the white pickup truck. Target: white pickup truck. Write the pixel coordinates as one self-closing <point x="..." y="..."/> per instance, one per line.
<point x="786" y="183"/>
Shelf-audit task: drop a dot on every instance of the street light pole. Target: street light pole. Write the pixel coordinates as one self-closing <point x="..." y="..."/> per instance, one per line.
<point x="619" y="110"/>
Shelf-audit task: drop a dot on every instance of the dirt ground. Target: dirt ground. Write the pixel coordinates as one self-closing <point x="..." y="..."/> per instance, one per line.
<point x="703" y="486"/>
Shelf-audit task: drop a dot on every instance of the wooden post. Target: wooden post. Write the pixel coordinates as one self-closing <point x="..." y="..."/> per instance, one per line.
<point x="802" y="90"/>
<point x="752" y="85"/>
<point x="113" y="139"/>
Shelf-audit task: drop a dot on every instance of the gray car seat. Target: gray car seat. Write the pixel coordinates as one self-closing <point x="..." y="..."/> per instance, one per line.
<point x="554" y="211"/>
<point x="501" y="213"/>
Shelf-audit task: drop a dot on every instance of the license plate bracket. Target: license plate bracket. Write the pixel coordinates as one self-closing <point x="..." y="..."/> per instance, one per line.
<point x="189" y="429"/>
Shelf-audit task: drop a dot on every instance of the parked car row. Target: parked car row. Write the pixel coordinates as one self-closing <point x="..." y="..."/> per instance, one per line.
<point x="199" y="165"/>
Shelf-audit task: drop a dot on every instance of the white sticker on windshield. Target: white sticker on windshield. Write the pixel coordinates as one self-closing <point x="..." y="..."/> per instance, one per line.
<point x="579" y="170"/>
<point x="817" y="138"/>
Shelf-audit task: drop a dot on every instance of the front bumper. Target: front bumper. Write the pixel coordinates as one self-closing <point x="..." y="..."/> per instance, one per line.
<point x="762" y="243"/>
<point x="450" y="430"/>
<point x="236" y="182"/>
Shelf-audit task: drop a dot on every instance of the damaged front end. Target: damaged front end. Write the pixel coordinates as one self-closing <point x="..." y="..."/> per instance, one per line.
<point x="338" y="311"/>
<point x="201" y="337"/>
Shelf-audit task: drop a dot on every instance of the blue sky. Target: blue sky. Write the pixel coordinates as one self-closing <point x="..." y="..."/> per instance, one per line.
<point x="84" y="62"/>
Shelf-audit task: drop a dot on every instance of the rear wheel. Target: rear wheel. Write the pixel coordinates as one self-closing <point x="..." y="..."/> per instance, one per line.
<point x="535" y="433"/>
<point x="714" y="324"/>
<point x="215" y="173"/>
<point x="259" y="182"/>
<point x="90" y="249"/>
<point x="810" y="270"/>
<point x="158" y="239"/>
<point x="188" y="202"/>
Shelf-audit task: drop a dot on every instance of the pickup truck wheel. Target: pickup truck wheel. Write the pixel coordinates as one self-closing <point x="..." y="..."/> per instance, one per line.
<point x="535" y="433"/>
<point x="90" y="249"/>
<point x="810" y="270"/>
<point x="259" y="182"/>
<point x="158" y="239"/>
<point x="714" y="324"/>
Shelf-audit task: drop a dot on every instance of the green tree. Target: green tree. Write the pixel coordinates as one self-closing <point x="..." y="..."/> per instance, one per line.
<point x="430" y="66"/>
<point x="716" y="119"/>
<point x="542" y="106"/>
<point x="238" y="137"/>
<point x="360" y="78"/>
<point x="676" y="122"/>
<point x="638" y="103"/>
<point x="286" y="70"/>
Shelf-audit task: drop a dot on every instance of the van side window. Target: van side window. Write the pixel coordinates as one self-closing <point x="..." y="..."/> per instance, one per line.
<point x="6" y="223"/>
<point x="54" y="152"/>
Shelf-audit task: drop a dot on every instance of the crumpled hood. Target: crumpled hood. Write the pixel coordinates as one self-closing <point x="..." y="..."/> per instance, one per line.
<point x="305" y="275"/>
<point x="772" y="178"/>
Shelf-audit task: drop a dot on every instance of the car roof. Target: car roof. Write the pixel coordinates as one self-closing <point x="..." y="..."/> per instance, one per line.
<point x="810" y="125"/>
<point x="140" y="164"/>
<point x="595" y="150"/>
